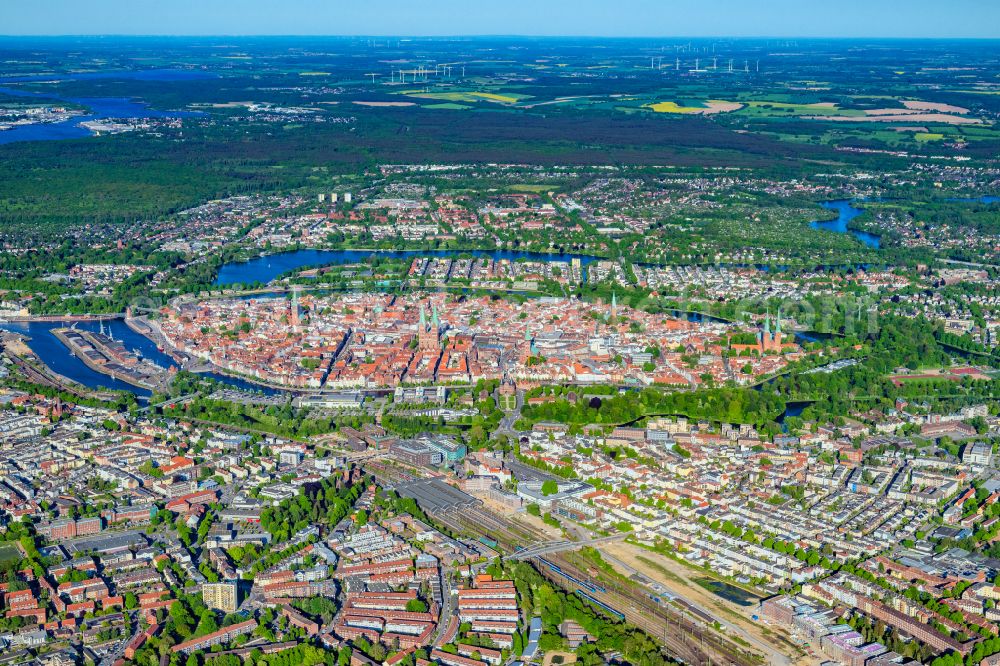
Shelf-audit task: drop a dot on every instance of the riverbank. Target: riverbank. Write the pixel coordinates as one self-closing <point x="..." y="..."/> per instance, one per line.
<point x="265" y="268"/>
<point x="846" y="211"/>
<point x="149" y="329"/>
<point x="65" y="318"/>
<point x="98" y="353"/>
<point x="37" y="371"/>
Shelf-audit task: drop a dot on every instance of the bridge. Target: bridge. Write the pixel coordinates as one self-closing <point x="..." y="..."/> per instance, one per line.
<point x="549" y="547"/>
<point x="180" y="400"/>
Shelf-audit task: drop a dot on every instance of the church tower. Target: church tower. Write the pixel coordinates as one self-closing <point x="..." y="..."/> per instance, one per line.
<point x="777" y="332"/>
<point x="293" y="314"/>
<point x="428" y="337"/>
<point x="771" y="341"/>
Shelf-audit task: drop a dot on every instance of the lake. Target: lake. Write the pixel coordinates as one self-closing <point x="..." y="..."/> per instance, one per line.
<point x="846" y="212"/>
<point x="266" y="268"/>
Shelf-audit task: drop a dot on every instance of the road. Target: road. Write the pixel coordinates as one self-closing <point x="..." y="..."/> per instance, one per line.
<point x="447" y="606"/>
<point x="682" y="637"/>
<point x="685" y="638"/>
<point x="113" y="656"/>
<point x="506" y="426"/>
<point x="773" y="655"/>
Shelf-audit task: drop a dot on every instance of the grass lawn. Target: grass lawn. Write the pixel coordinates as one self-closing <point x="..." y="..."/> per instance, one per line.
<point x="527" y="187"/>
<point x="9" y="553"/>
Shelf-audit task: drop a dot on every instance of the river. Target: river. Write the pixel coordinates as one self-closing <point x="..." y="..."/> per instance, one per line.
<point x="846" y="211"/>
<point x="55" y="354"/>
<point x="266" y="268"/>
<point x="99" y="107"/>
<point x="985" y="199"/>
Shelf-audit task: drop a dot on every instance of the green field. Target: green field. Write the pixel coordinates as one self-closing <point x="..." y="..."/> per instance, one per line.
<point x="466" y="96"/>
<point x="9" y="553"/>
<point x="448" y="105"/>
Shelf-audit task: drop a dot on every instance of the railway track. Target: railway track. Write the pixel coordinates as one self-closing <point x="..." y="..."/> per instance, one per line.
<point x="481" y="521"/>
<point x="36" y="376"/>
<point x="387" y="475"/>
<point x="683" y="637"/>
<point x="692" y="641"/>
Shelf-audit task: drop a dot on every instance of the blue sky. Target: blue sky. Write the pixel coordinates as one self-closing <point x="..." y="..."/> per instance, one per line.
<point x="619" y="18"/>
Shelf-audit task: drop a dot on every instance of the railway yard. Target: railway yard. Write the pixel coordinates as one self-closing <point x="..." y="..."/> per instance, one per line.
<point x="685" y="631"/>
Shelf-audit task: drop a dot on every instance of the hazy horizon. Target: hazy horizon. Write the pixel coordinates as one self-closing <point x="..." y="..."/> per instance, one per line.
<point x="473" y="36"/>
